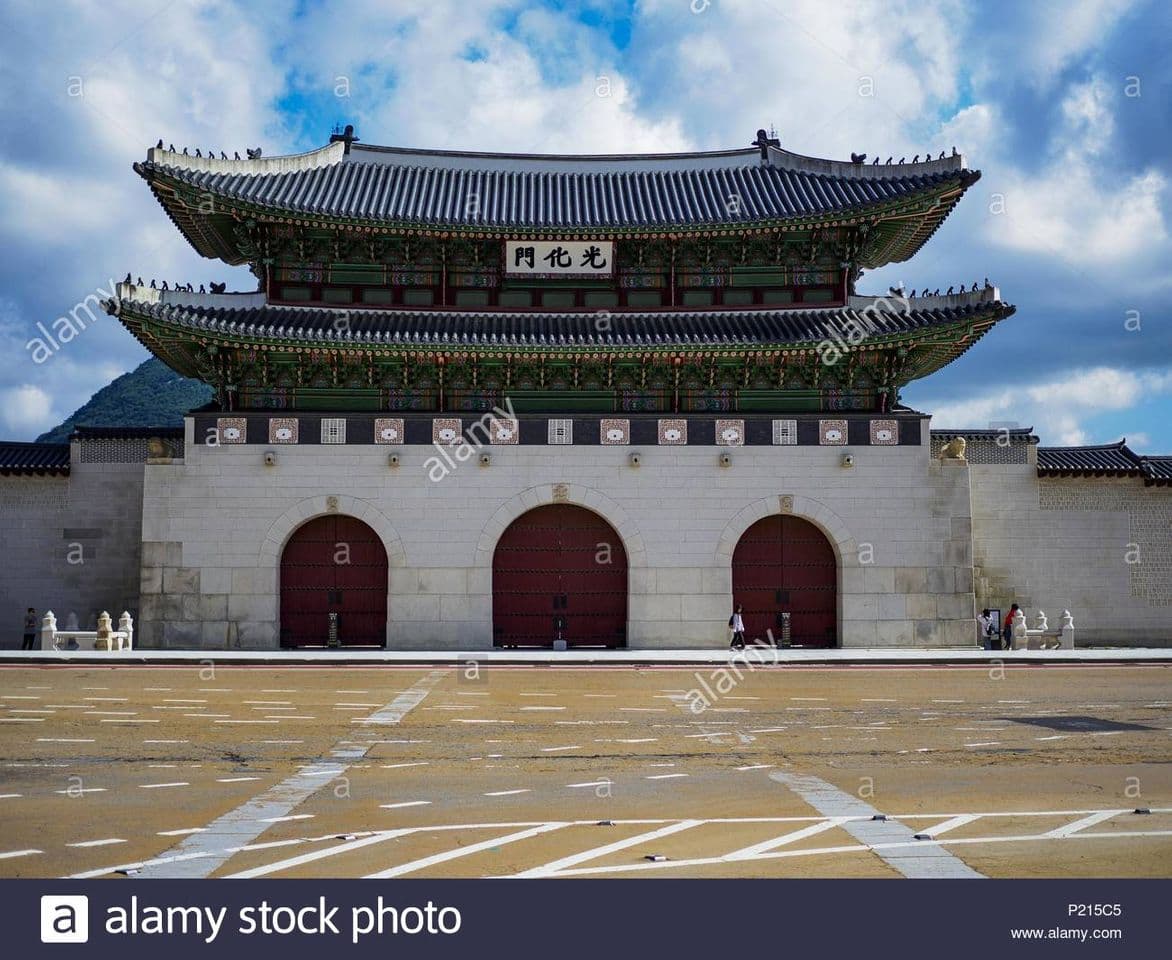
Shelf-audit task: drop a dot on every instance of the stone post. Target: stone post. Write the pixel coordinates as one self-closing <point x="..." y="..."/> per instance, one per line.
<point x="49" y="631"/>
<point x="103" y="640"/>
<point x="1038" y="635"/>
<point x="126" y="625"/>
<point x="1067" y="642"/>
<point x="1020" y="636"/>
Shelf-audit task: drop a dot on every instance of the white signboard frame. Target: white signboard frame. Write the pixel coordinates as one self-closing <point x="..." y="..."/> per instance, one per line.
<point x="559" y="259"/>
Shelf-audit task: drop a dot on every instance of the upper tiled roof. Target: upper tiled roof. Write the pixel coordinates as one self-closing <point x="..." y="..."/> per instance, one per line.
<point x="37" y="458"/>
<point x="518" y="192"/>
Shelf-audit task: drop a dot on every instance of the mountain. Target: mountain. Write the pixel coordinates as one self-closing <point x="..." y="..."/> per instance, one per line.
<point x="152" y="395"/>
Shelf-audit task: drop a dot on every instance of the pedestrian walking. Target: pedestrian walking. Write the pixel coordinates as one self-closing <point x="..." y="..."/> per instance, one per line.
<point x="737" y="625"/>
<point x="1007" y="630"/>
<point x="30" y="629"/>
<point x="986" y="629"/>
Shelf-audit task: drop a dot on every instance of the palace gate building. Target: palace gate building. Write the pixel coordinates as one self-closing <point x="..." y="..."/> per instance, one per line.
<point x="490" y="400"/>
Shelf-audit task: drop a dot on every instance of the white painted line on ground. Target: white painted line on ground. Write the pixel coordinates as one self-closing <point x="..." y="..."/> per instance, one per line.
<point x="18" y="696"/>
<point x="986" y="743"/>
<point x="158" y="786"/>
<point x="10" y="796"/>
<point x="181" y="833"/>
<point x="877" y="700"/>
<point x="592" y="783"/>
<point x="178" y="700"/>
<point x="811" y="699"/>
<point x="769" y="730"/>
<point x="63" y="740"/>
<point x="756" y="766"/>
<point x="666" y="776"/>
<point x="166" y="741"/>
<point x="505" y="793"/>
<point x="22" y="719"/>
<point x="951" y="824"/>
<point x="559" y="749"/>
<point x="412" y="763"/>
<point x="1057" y="737"/>
<point x="246" y="721"/>
<point x="405" y="803"/>
<point x="466" y="720"/>
<point x="1088" y="821"/>
<point x="554" y="866"/>
<point x="235" y="779"/>
<point x="813" y="830"/>
<point x="127" y="720"/>
<point x="280" y="741"/>
<point x="491" y="844"/>
<point x="292" y="816"/>
<point x="380" y="837"/>
<point x="543" y="708"/>
<point x="75" y="790"/>
<point x="17" y="853"/>
<point x="96" y="843"/>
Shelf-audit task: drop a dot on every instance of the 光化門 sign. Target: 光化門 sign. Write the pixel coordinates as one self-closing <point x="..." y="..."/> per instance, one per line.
<point x="559" y="258"/>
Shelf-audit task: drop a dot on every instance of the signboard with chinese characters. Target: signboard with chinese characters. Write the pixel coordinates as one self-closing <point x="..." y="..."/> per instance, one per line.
<point x="559" y="258"/>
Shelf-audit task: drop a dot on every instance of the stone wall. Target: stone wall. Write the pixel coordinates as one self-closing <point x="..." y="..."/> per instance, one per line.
<point x="72" y="544"/>
<point x="214" y="526"/>
<point x="1099" y="547"/>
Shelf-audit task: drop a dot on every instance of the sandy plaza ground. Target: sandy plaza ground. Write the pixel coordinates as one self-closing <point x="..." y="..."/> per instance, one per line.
<point x="201" y="770"/>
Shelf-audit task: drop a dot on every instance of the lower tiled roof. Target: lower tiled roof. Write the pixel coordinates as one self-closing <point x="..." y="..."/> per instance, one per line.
<point x="33" y="458"/>
<point x="569" y="329"/>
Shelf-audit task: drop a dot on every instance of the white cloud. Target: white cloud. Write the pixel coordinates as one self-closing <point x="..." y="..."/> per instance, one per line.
<point x="1074" y="208"/>
<point x="1059" y="408"/>
<point x="26" y="409"/>
<point x="1058" y="31"/>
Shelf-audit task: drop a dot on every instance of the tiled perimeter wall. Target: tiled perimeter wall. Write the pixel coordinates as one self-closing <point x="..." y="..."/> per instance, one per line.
<point x="49" y="524"/>
<point x="1059" y="544"/>
<point x="214" y="527"/>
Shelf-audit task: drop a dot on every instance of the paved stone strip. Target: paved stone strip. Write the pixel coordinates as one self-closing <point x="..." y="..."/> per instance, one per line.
<point x="200" y="854"/>
<point x="931" y="861"/>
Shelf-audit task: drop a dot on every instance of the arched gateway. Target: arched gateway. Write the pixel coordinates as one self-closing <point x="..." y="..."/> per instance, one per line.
<point x="785" y="574"/>
<point x="334" y="580"/>
<point x="559" y="572"/>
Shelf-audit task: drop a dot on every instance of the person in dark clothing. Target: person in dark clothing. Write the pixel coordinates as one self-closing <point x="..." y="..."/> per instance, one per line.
<point x="30" y="629"/>
<point x="737" y="625"/>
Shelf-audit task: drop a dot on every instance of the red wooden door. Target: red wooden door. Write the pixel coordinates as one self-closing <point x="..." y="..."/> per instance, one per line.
<point x="334" y="565"/>
<point x="559" y="571"/>
<point x="785" y="565"/>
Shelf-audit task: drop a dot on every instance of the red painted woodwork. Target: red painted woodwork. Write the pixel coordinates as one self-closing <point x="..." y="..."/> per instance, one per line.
<point x="784" y="564"/>
<point x="559" y="571"/>
<point x="334" y="564"/>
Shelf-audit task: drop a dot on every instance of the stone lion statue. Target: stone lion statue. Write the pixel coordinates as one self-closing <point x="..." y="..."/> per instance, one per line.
<point x="954" y="449"/>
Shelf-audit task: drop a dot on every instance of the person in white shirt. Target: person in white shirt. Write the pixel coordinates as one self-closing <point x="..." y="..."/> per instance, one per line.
<point x="737" y="625"/>
<point x="986" y="627"/>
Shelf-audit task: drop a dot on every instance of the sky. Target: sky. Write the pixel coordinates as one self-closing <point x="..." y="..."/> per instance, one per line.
<point x="1063" y="106"/>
